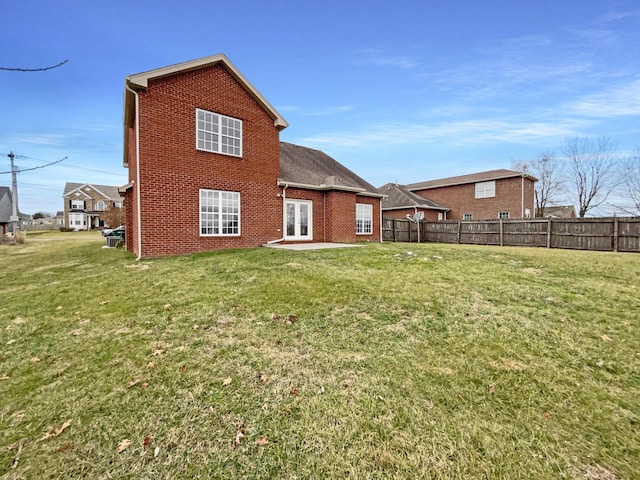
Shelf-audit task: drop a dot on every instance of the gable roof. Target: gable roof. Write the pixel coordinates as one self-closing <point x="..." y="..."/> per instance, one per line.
<point x="312" y="169"/>
<point x="107" y="191"/>
<point x="471" y="178"/>
<point x="398" y="197"/>
<point x="6" y="206"/>
<point x="559" y="211"/>
<point x="140" y="81"/>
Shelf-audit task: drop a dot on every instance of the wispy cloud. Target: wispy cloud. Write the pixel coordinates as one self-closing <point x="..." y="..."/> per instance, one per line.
<point x="384" y="59"/>
<point x="472" y="131"/>
<point x="618" y="101"/>
<point x="48" y="139"/>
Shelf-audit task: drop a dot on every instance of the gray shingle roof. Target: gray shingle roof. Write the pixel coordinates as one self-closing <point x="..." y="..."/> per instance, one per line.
<point x="110" y="191"/>
<point x="304" y="166"/>
<point x="399" y="197"/>
<point x="471" y="178"/>
<point x="6" y="206"/>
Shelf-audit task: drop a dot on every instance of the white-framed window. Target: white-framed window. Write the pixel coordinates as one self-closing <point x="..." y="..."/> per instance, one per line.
<point x="77" y="204"/>
<point x="100" y="205"/>
<point x="219" y="213"/>
<point x="364" y="219"/>
<point x="440" y="216"/>
<point x="486" y="189"/>
<point x="218" y="133"/>
<point x="117" y="204"/>
<point x="467" y="216"/>
<point x="527" y="213"/>
<point x="503" y="215"/>
<point x="77" y="220"/>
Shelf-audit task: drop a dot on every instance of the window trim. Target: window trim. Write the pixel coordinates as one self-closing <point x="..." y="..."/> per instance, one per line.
<point x="465" y="215"/>
<point x="101" y="206"/>
<point x="364" y="213"/>
<point x="218" y="217"/>
<point x="75" y="203"/>
<point x="218" y="133"/>
<point x="485" y="189"/>
<point x="504" y="215"/>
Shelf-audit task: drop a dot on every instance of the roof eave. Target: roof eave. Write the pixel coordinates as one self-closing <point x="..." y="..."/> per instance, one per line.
<point x="141" y="81"/>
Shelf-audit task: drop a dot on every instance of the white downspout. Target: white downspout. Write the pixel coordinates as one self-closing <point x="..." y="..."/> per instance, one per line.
<point x="522" y="197"/>
<point x="137" y="183"/>
<point x="380" y="207"/>
<point x="284" y="198"/>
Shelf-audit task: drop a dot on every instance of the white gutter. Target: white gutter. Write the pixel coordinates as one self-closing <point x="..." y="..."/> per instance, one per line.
<point x="284" y="198"/>
<point x="380" y="205"/>
<point x="137" y="183"/>
<point x="522" y="197"/>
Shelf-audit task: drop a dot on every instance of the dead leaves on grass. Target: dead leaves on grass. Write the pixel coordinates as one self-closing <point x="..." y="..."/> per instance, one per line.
<point x="285" y="319"/>
<point x="123" y="445"/>
<point x="55" y="431"/>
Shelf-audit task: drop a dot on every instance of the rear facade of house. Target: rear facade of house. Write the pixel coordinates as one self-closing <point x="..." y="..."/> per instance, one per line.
<point x="505" y="194"/>
<point x="204" y="157"/>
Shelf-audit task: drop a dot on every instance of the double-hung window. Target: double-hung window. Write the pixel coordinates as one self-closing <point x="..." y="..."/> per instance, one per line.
<point x="364" y="219"/>
<point x="219" y="213"/>
<point x="77" y="204"/>
<point x="486" y="189"/>
<point x="218" y="133"/>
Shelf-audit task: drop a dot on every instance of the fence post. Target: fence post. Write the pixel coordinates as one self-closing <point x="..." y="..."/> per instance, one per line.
<point x="615" y="234"/>
<point x="501" y="233"/>
<point x="549" y="233"/>
<point x="458" y="232"/>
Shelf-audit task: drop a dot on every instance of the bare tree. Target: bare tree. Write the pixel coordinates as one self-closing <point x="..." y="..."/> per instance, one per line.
<point x="631" y="175"/>
<point x="592" y="170"/>
<point x="547" y="170"/>
<point x="113" y="216"/>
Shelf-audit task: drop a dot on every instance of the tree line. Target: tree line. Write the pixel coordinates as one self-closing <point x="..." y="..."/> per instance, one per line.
<point x="588" y="173"/>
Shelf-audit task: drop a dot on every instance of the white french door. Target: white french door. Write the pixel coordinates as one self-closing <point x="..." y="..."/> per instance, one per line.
<point x="298" y="220"/>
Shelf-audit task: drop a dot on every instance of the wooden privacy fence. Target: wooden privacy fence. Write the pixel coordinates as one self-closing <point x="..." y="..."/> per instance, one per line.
<point x="618" y="234"/>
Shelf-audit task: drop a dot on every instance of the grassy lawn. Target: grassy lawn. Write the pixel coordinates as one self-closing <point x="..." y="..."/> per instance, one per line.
<point x="449" y="362"/>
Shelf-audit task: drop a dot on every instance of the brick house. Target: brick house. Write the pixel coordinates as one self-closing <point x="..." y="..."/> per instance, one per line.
<point x="400" y="203"/>
<point x="478" y="196"/>
<point x="84" y="204"/>
<point x="207" y="169"/>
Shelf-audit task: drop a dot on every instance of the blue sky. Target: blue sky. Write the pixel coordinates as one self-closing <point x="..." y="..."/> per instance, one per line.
<point x="395" y="90"/>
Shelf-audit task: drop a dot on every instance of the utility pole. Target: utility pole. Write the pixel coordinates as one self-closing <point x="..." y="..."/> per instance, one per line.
<point x="14" y="196"/>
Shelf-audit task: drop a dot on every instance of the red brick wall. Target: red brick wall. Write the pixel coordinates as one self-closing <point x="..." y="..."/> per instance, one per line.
<point x="172" y="171"/>
<point x="334" y="215"/>
<point x="461" y="199"/>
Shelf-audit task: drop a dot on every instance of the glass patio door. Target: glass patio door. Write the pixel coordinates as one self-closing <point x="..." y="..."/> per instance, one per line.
<point x="298" y="221"/>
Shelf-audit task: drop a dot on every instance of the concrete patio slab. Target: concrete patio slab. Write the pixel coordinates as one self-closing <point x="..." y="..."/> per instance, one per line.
<point x="310" y="246"/>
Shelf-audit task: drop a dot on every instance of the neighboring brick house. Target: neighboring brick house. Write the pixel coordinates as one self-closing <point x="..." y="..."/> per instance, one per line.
<point x="400" y="203"/>
<point x="481" y="196"/>
<point x="85" y="202"/>
<point x="207" y="169"/>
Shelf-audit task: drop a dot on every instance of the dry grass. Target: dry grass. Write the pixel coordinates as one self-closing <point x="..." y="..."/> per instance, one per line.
<point x="451" y="362"/>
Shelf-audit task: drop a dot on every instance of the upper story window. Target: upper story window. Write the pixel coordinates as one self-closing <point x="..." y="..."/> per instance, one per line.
<point x="486" y="189"/>
<point x="100" y="205"/>
<point x="503" y="215"/>
<point x="77" y="204"/>
<point x="364" y="218"/>
<point x="218" y="133"/>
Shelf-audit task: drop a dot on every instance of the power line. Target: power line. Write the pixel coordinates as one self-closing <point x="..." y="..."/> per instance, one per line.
<point x="9" y="69"/>
<point x="35" y="168"/>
